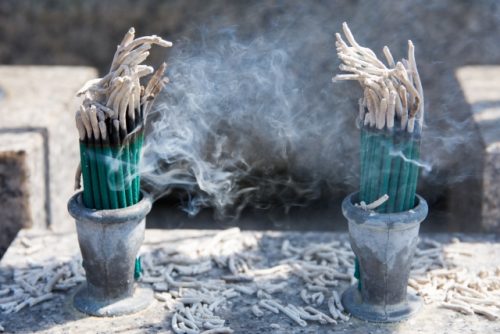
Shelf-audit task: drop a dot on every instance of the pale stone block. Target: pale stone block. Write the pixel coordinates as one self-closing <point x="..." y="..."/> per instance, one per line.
<point x="43" y="98"/>
<point x="481" y="87"/>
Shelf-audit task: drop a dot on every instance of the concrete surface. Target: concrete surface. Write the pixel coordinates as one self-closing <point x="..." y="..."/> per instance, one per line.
<point x="14" y="207"/>
<point x="481" y="87"/>
<point x="37" y="117"/>
<point x="58" y="315"/>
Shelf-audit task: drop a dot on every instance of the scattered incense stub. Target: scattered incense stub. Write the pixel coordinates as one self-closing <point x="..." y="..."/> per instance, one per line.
<point x="436" y="280"/>
<point x="375" y="204"/>
<point x="110" y="123"/>
<point x="391" y="115"/>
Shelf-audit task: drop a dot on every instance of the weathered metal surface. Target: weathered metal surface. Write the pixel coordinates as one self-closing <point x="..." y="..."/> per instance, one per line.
<point x="109" y="242"/>
<point x="384" y="245"/>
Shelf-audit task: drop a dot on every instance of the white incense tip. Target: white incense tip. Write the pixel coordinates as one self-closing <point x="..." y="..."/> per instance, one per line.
<point x="363" y="65"/>
<point x="375" y="204"/>
<point x="102" y="129"/>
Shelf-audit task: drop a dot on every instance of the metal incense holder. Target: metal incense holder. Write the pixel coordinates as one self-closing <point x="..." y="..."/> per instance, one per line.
<point x="109" y="242"/>
<point x="384" y="244"/>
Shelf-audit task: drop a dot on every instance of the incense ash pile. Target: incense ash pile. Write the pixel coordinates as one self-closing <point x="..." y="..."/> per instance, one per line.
<point x="175" y="275"/>
<point x="39" y="281"/>
<point x="450" y="285"/>
<point x="199" y="281"/>
<point x="391" y="114"/>
<point x="111" y="121"/>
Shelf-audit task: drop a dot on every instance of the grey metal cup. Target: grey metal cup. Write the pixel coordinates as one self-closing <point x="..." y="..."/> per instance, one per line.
<point x="109" y="242"/>
<point x="384" y="245"/>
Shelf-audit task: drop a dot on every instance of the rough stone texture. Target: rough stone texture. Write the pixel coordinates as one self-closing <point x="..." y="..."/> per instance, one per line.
<point x="481" y="86"/>
<point x="14" y="205"/>
<point x="491" y="192"/>
<point x="58" y="316"/>
<point x="36" y="113"/>
<point x="23" y="187"/>
<point x="33" y="172"/>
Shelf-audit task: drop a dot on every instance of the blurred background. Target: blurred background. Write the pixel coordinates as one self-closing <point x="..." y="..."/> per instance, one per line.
<point x="252" y="83"/>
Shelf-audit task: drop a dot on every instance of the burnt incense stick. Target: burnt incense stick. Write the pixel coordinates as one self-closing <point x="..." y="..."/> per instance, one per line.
<point x="88" y="200"/>
<point x="101" y="171"/>
<point x="394" y="177"/>
<point x="119" y="185"/>
<point x="403" y="182"/>
<point x="138" y="144"/>
<point x="363" y="153"/>
<point x="132" y="142"/>
<point x="414" y="171"/>
<point x="391" y="114"/>
<point x="125" y="162"/>
<point x="107" y="155"/>
<point x="386" y="169"/>
<point x="111" y="121"/>
<point x="90" y="149"/>
<point x="376" y="167"/>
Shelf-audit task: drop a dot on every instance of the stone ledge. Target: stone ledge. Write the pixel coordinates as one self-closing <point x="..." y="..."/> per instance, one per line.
<point x="481" y="87"/>
<point x="43" y="98"/>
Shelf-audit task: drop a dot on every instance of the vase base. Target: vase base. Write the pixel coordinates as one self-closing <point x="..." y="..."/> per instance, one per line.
<point x="141" y="299"/>
<point x="351" y="299"/>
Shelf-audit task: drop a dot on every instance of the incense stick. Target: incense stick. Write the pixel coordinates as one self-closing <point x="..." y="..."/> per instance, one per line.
<point x="391" y="117"/>
<point x="110" y="123"/>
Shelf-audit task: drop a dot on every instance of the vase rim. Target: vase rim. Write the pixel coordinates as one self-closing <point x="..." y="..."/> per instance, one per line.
<point x="77" y="210"/>
<point x="396" y="220"/>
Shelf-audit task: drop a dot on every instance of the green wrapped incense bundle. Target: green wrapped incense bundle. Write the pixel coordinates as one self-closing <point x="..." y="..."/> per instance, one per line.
<point x="110" y="123"/>
<point x="390" y="170"/>
<point x="391" y="114"/>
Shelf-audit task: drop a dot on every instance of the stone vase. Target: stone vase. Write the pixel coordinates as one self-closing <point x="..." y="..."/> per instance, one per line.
<point x="109" y="242"/>
<point x="384" y="245"/>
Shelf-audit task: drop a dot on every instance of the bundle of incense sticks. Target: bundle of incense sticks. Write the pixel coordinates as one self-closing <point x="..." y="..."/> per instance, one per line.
<point x="110" y="123"/>
<point x="391" y="114"/>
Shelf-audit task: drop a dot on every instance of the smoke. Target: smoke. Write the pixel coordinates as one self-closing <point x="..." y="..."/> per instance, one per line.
<point x="253" y="119"/>
<point x="238" y="127"/>
<point x="419" y="163"/>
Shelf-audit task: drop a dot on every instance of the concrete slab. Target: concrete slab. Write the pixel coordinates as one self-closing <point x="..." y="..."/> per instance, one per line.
<point x="41" y="100"/>
<point x="58" y="315"/>
<point x="481" y="87"/>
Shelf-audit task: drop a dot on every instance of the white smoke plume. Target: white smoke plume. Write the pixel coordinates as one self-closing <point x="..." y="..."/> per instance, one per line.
<point x="234" y="128"/>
